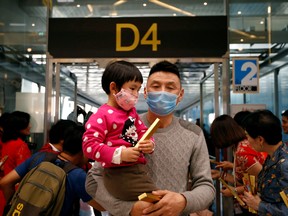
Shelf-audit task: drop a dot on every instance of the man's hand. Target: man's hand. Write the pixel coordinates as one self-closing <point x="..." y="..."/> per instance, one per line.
<point x="171" y="204"/>
<point x="146" y="146"/>
<point x="130" y="154"/>
<point x="251" y="201"/>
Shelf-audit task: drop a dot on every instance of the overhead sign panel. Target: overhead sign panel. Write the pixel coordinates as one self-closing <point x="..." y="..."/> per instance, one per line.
<point x="138" y="37"/>
<point x="245" y="75"/>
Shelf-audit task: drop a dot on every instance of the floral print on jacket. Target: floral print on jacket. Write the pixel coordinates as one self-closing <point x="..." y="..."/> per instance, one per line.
<point x="271" y="181"/>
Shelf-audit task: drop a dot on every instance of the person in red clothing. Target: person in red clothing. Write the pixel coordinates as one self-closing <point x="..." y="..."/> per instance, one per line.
<point x="56" y="136"/>
<point x="227" y="132"/>
<point x="16" y="127"/>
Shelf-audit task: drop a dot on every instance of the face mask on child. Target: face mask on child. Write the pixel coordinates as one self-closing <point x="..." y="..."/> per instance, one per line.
<point x="125" y="99"/>
<point x="161" y="103"/>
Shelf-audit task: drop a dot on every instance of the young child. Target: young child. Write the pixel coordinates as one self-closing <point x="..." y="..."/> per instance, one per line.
<point x="113" y="131"/>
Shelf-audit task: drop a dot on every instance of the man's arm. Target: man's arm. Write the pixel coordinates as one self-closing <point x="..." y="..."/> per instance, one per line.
<point x="8" y="182"/>
<point x="95" y="205"/>
<point x="203" y="191"/>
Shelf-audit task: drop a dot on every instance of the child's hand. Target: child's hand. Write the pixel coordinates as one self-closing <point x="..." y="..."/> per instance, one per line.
<point x="130" y="154"/>
<point x="146" y="146"/>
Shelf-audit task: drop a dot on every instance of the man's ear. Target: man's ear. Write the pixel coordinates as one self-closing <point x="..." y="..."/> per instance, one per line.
<point x="181" y="95"/>
<point x="145" y="92"/>
<point x="113" y="88"/>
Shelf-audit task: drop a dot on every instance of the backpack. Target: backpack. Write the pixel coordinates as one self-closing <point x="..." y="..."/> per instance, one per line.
<point x="42" y="190"/>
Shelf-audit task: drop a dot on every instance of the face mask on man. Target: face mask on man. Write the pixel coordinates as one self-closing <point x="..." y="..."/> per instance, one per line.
<point x="125" y="99"/>
<point x="161" y="103"/>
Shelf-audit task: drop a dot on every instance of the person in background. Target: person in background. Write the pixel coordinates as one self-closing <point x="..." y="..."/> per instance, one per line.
<point x="3" y="118"/>
<point x="210" y="146"/>
<point x="56" y="136"/>
<point x="16" y="128"/>
<point x="180" y="162"/>
<point x="113" y="131"/>
<point x="73" y="116"/>
<point x="75" y="182"/>
<point x="264" y="133"/>
<point x="56" y="141"/>
<point x="225" y="132"/>
<point x="285" y="123"/>
<point x="2" y="122"/>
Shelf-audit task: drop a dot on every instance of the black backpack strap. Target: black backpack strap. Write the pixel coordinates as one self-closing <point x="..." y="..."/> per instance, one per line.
<point x="48" y="156"/>
<point x="68" y="166"/>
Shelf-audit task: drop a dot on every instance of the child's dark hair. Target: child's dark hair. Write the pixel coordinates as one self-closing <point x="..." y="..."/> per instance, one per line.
<point x="120" y="72"/>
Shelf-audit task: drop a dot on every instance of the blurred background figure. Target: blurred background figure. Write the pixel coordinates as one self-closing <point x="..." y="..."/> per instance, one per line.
<point x="210" y="146"/>
<point x="285" y="126"/>
<point x="73" y="116"/>
<point x="225" y="132"/>
<point x="56" y="136"/>
<point x="264" y="133"/>
<point x="16" y="128"/>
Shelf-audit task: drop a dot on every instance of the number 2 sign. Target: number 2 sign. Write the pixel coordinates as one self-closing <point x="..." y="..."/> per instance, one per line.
<point x="245" y="75"/>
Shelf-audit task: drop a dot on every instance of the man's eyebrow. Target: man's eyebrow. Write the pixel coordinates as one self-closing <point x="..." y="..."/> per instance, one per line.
<point x="159" y="81"/>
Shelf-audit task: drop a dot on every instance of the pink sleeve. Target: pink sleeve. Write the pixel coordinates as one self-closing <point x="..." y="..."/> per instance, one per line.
<point x="93" y="140"/>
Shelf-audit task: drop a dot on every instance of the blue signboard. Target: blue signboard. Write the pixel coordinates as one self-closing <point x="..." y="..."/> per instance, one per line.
<point x="245" y="75"/>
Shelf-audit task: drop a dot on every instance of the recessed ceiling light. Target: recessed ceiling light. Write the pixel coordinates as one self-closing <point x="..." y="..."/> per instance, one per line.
<point x="29" y="49"/>
<point x="78" y="5"/>
<point x="239" y="12"/>
<point x="144" y="4"/>
<point x="205" y="3"/>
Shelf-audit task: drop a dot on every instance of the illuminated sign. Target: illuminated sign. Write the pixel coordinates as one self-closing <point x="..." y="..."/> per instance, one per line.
<point x="245" y="75"/>
<point x="138" y="37"/>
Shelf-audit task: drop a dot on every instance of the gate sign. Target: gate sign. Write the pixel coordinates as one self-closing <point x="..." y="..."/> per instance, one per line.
<point x="245" y="75"/>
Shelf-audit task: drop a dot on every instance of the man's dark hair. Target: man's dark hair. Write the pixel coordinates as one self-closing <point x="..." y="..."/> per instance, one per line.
<point x="165" y="66"/>
<point x="241" y="116"/>
<point x="264" y="123"/>
<point x="120" y="72"/>
<point x="73" y="139"/>
<point x="57" y="131"/>
<point x="285" y="113"/>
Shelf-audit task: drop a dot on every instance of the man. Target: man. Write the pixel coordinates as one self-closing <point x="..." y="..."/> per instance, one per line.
<point x="285" y="125"/>
<point x="56" y="136"/>
<point x="75" y="182"/>
<point x="285" y="121"/>
<point x="180" y="164"/>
